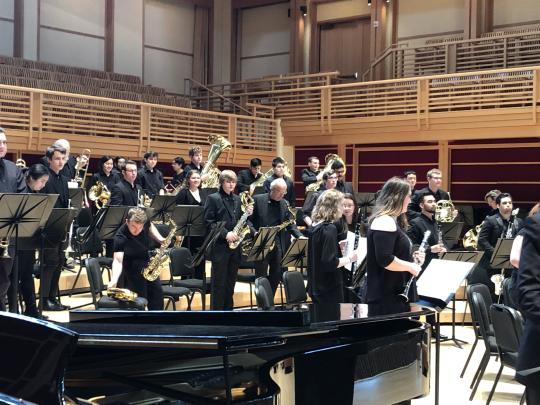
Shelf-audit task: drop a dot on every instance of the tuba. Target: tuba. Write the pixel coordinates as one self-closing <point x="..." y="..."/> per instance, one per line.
<point x="218" y="145"/>
<point x="100" y="194"/>
<point x="81" y="167"/>
<point x="20" y="163"/>
<point x="330" y="159"/>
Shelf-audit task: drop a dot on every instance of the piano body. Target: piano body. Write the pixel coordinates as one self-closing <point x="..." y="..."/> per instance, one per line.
<point x="345" y="354"/>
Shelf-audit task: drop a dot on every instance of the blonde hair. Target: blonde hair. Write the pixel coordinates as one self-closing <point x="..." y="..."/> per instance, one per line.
<point x="227" y="175"/>
<point x="390" y="200"/>
<point x="327" y="206"/>
<point x="137" y="215"/>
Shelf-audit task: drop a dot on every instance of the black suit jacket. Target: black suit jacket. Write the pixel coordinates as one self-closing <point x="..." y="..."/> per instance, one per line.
<point x="345" y="187"/>
<point x="529" y="300"/>
<point x="11" y="178"/>
<point x="184" y="197"/>
<point x="245" y="178"/>
<point x="414" y="210"/>
<point x="290" y="196"/>
<point x="309" y="176"/>
<point x="123" y="194"/>
<point x="493" y="228"/>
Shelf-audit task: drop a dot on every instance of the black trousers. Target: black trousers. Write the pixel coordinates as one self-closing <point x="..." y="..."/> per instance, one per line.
<point x="224" y="272"/>
<point x="195" y="243"/>
<point x="330" y="296"/>
<point x="272" y="260"/>
<point x="26" y="260"/>
<point x="151" y="290"/>
<point x="5" y="273"/>
<point x="53" y="258"/>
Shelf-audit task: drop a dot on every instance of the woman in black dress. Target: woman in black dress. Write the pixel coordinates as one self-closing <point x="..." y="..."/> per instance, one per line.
<point x="105" y="173"/>
<point x="389" y="250"/>
<point x="325" y="281"/>
<point x="193" y="195"/>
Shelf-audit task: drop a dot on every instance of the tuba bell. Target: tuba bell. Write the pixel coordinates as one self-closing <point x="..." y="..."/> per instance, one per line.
<point x="20" y="163"/>
<point x="210" y="172"/>
<point x="444" y="211"/>
<point x="100" y="194"/>
<point x="330" y="159"/>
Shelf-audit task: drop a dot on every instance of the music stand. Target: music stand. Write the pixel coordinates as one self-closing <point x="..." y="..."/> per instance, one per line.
<point x="460" y="256"/>
<point x="465" y="215"/>
<point x="162" y="204"/>
<point x="208" y="243"/>
<point x="451" y="232"/>
<point x="112" y="220"/>
<point x="264" y="240"/>
<point x="296" y="255"/>
<point x="500" y="259"/>
<point x="189" y="220"/>
<point x="76" y="196"/>
<point x="21" y="216"/>
<point x="258" y="190"/>
<point x="365" y="201"/>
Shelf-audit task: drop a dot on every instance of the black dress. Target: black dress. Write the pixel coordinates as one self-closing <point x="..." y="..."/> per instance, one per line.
<point x="382" y="285"/>
<point x="325" y="281"/>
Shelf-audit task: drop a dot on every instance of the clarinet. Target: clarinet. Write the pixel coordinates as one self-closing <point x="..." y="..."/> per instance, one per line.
<point x="422" y="248"/>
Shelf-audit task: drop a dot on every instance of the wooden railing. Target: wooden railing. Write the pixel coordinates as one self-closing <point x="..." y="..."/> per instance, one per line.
<point x="490" y="52"/>
<point x="211" y="97"/>
<point x="35" y="117"/>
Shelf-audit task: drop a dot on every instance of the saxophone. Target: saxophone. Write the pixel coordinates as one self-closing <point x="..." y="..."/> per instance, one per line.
<point x="241" y="228"/>
<point x="218" y="145"/>
<point x="121" y="294"/>
<point x="153" y="270"/>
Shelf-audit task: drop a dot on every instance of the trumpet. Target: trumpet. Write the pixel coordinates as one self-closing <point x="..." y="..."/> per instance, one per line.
<point x="81" y="167"/>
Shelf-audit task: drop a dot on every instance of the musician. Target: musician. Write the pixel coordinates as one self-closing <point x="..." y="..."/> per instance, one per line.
<point x="312" y="173"/>
<point x="248" y="176"/>
<point x="278" y="167"/>
<point x="426" y="222"/>
<point x="195" y="154"/>
<point x="493" y="228"/>
<point x="348" y="223"/>
<point x="105" y="173"/>
<point x="342" y="185"/>
<point x="53" y="257"/>
<point x="325" y="281"/>
<point x="389" y="258"/>
<point x="11" y="181"/>
<point x="224" y="206"/>
<point x="491" y="200"/>
<point x="330" y="180"/>
<point x="68" y="170"/>
<point x="149" y="177"/>
<point x="126" y="191"/>
<point x="119" y="162"/>
<point x="434" y="178"/>
<point x="131" y="257"/>
<point x="194" y="195"/>
<point x="410" y="177"/>
<point x="178" y="168"/>
<point x="529" y="304"/>
<point x="271" y="209"/>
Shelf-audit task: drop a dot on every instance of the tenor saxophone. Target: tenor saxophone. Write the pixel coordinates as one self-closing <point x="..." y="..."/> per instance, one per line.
<point x="241" y="228"/>
<point x="153" y="270"/>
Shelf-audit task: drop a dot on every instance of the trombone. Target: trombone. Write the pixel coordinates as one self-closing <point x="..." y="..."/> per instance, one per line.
<point x="81" y="167"/>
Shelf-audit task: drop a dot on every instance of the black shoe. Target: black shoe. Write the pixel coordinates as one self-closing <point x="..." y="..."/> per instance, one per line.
<point x="51" y="305"/>
<point x="64" y="307"/>
<point x="36" y="315"/>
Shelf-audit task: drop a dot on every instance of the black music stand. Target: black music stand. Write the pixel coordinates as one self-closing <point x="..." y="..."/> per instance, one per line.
<point x="451" y="232"/>
<point x="296" y="255"/>
<point x="189" y="220"/>
<point x="21" y="216"/>
<point x="258" y="190"/>
<point x="112" y="220"/>
<point x="262" y="244"/>
<point x="76" y="195"/>
<point x="162" y="205"/>
<point x="208" y="243"/>
<point x="365" y="201"/>
<point x="500" y="259"/>
<point x="460" y="256"/>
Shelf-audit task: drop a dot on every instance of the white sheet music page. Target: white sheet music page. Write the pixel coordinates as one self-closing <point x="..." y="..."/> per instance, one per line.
<point x="362" y="249"/>
<point x="442" y="278"/>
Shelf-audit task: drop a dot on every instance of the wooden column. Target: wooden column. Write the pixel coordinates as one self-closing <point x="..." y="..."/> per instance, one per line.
<point x="379" y="21"/>
<point x="18" y="24"/>
<point x="297" y="26"/>
<point x="444" y="164"/>
<point x="109" y="35"/>
<point x="473" y="21"/>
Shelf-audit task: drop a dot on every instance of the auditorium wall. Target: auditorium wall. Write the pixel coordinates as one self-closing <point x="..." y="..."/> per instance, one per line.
<point x="508" y="14"/>
<point x="6" y="27"/>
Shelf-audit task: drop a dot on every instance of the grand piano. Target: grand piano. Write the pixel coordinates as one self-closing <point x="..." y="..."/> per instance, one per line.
<point x="344" y="354"/>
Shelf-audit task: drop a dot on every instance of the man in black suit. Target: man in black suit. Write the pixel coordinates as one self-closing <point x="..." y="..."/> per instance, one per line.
<point x="195" y="154"/>
<point x="11" y="181"/>
<point x="330" y="180"/>
<point x="178" y="168"/>
<point x="278" y="166"/>
<point x="224" y="206"/>
<point x="493" y="228"/>
<point x="312" y="173"/>
<point x="247" y="176"/>
<point x="342" y="185"/>
<point x="126" y="191"/>
<point x="271" y="209"/>
<point x="68" y="170"/>
<point x="149" y="177"/>
<point x="529" y="303"/>
<point x="434" y="178"/>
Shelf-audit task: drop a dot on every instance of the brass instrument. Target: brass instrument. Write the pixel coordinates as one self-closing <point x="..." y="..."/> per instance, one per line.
<point x="260" y="181"/>
<point x="143" y="201"/>
<point x="20" y="163"/>
<point x="100" y="194"/>
<point x="69" y="248"/>
<point x="121" y="294"/>
<point x="153" y="270"/>
<point x="470" y="239"/>
<point x="444" y="211"/>
<point x="169" y="189"/>
<point x="4" y="244"/>
<point x="241" y="228"/>
<point x="330" y="159"/>
<point x="81" y="167"/>
<point x="287" y="171"/>
<point x="210" y="172"/>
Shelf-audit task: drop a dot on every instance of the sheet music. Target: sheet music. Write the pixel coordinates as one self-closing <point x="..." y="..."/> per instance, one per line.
<point x="362" y="249"/>
<point x="442" y="278"/>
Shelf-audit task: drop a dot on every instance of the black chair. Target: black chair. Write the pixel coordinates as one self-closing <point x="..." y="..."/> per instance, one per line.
<point x="180" y="266"/>
<point x="102" y="302"/>
<point x="248" y="277"/>
<point x="480" y="309"/>
<point x="263" y="294"/>
<point x="508" y="327"/>
<point x="295" y="289"/>
<point x="35" y="355"/>
<point x="484" y="291"/>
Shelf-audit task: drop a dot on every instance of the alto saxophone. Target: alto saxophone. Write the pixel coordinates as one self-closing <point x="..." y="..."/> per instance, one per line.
<point x="241" y="228"/>
<point x="153" y="270"/>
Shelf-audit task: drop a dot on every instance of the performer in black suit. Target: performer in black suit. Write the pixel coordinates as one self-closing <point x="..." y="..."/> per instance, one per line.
<point x="149" y="177"/>
<point x="271" y="209"/>
<point x="342" y="185"/>
<point x="126" y="191"/>
<point x="529" y="303"/>
<point x="330" y="180"/>
<point x="312" y="173"/>
<point x="11" y="181"/>
<point x="325" y="280"/>
<point x="194" y="195"/>
<point x="410" y="177"/>
<point x="426" y="222"/>
<point x="53" y="257"/>
<point x="105" y="173"/>
<point x="68" y="170"/>
<point x="178" y="168"/>
<point x="434" y="178"/>
<point x="119" y="162"/>
<point x="195" y="154"/>
<point x="278" y="165"/>
<point x="491" y="200"/>
<point x="131" y="257"/>
<point x="248" y="176"/>
<point x="224" y="206"/>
